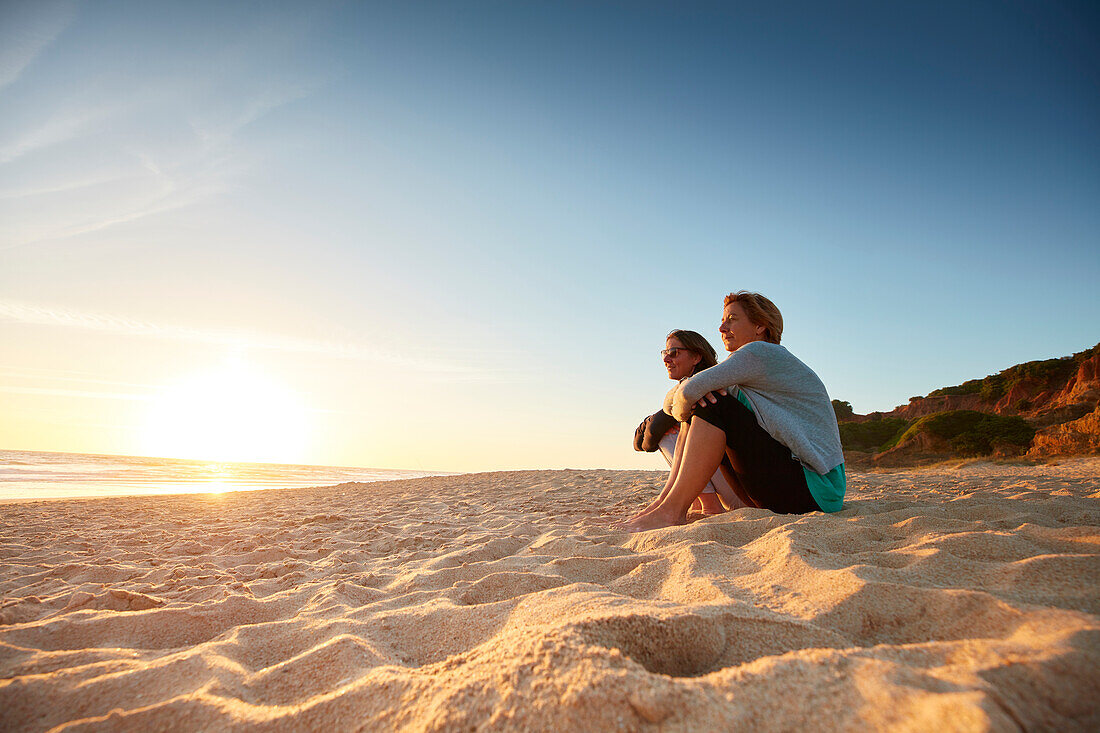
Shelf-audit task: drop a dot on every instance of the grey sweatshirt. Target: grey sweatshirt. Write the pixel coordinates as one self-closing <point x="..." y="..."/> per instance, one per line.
<point x="789" y="400"/>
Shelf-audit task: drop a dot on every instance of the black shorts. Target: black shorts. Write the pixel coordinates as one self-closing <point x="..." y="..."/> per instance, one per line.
<point x="769" y="476"/>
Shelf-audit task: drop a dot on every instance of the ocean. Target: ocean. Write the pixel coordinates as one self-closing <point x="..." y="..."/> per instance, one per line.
<point x="41" y="475"/>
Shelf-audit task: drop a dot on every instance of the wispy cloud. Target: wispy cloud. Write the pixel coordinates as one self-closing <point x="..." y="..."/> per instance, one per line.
<point x="26" y="29"/>
<point x="173" y="196"/>
<point x="20" y="192"/>
<point x="153" y="182"/>
<point x="93" y="386"/>
<point x="441" y="368"/>
<point x="143" y="187"/>
<point x="67" y="375"/>
<point x="217" y="129"/>
<point x="55" y="392"/>
<point x="61" y="127"/>
<point x="105" y="147"/>
<point x="136" y="391"/>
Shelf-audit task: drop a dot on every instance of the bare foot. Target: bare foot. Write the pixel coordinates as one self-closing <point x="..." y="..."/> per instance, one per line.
<point x="636" y="516"/>
<point x="656" y="519"/>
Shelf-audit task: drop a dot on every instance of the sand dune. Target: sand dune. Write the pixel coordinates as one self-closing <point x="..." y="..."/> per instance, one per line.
<point x="961" y="598"/>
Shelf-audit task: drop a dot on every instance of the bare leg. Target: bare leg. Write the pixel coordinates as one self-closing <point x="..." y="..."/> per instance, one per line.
<point x="709" y="504"/>
<point x="702" y="453"/>
<point x="735" y="484"/>
<point x="677" y="459"/>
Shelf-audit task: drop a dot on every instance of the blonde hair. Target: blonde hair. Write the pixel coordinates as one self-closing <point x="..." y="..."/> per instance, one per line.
<point x="761" y="311"/>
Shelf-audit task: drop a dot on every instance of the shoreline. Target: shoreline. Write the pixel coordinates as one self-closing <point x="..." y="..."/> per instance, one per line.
<point x="45" y="475"/>
<point x="166" y="494"/>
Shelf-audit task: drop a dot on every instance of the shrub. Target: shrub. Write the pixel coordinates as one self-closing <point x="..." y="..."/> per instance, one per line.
<point x="871" y="435"/>
<point x="1044" y="371"/>
<point x="973" y="386"/>
<point x="843" y="410"/>
<point x="973" y="433"/>
<point x="1081" y="356"/>
<point x="993" y="387"/>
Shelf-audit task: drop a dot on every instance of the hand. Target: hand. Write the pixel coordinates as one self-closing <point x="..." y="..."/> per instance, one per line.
<point x="711" y="397"/>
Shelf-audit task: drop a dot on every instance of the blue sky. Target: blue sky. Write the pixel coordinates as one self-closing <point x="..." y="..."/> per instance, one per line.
<point x="454" y="235"/>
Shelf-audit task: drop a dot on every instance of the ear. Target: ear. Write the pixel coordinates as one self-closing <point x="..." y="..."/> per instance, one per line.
<point x="760" y="329"/>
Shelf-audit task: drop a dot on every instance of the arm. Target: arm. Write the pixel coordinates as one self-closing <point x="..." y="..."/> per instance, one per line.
<point x="648" y="435"/>
<point x="741" y="367"/>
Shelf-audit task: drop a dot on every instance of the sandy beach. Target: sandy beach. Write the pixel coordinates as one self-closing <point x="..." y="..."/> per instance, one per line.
<point x="959" y="597"/>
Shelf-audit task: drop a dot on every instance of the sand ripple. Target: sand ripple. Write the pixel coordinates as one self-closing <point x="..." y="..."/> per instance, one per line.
<point x="956" y="598"/>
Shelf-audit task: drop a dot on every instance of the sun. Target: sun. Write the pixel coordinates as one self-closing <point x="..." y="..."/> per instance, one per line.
<point x="235" y="413"/>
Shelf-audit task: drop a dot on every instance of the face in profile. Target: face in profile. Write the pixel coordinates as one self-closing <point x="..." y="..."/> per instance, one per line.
<point x="679" y="360"/>
<point x="737" y="328"/>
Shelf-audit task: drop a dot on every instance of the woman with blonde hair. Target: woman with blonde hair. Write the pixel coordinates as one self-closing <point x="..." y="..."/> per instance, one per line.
<point x="762" y="408"/>
<point x="686" y="353"/>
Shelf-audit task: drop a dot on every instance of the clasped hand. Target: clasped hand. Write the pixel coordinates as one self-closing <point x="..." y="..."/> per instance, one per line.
<point x="681" y="409"/>
<point x="711" y="397"/>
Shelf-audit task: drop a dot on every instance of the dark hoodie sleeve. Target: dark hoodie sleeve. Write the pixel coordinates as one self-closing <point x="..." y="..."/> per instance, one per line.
<point x="648" y="435"/>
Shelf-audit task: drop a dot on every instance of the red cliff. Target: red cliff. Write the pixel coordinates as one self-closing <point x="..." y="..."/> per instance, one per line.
<point x="1060" y="398"/>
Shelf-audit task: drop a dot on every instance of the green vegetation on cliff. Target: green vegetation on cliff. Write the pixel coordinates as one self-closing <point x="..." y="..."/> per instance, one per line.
<point x="1042" y="372"/>
<point x="972" y="386"/>
<point x="870" y="435"/>
<point x="874" y="436"/>
<point x="973" y="433"/>
<point x="843" y="410"/>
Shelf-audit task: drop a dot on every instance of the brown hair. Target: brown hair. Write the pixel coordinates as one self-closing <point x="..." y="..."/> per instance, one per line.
<point x="761" y="311"/>
<point x="697" y="343"/>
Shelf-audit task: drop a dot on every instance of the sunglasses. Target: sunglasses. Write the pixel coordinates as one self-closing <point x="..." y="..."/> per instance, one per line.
<point x="674" y="351"/>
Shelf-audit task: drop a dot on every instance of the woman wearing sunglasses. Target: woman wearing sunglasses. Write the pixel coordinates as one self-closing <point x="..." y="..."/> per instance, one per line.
<point x="762" y="408"/>
<point x="686" y="353"/>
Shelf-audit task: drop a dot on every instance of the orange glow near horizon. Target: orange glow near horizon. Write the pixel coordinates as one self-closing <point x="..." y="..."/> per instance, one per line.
<point x="232" y="414"/>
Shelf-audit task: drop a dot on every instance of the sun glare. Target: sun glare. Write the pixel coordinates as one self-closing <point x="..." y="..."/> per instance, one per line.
<point x="233" y="414"/>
